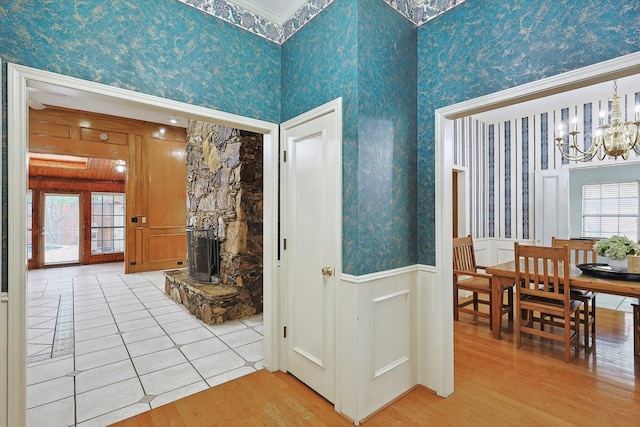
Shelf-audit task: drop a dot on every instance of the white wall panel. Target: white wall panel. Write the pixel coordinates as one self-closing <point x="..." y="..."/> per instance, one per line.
<point x="4" y="339"/>
<point x="387" y="341"/>
<point x="390" y="346"/>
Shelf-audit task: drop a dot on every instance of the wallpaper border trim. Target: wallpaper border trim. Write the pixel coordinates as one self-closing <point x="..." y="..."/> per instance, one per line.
<point x="239" y="16"/>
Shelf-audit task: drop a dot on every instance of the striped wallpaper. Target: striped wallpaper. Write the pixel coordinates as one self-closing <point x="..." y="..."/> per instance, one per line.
<point x="500" y="160"/>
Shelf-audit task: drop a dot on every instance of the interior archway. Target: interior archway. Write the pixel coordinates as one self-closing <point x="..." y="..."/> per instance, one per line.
<point x="602" y="72"/>
<point x="19" y="79"/>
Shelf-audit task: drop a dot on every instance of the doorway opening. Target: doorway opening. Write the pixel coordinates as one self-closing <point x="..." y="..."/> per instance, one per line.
<point x="20" y="78"/>
<point x="444" y="120"/>
<point x="459" y="206"/>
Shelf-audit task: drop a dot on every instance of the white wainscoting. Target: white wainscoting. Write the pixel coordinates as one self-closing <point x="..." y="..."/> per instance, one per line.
<point x="496" y="251"/>
<point x="4" y="345"/>
<point x="385" y="325"/>
<point x="435" y="331"/>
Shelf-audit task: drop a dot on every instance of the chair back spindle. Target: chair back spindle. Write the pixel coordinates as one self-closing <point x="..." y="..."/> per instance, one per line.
<point x="543" y="287"/>
<point x="580" y="250"/>
<point x="468" y="278"/>
<point x="542" y="271"/>
<point x="463" y="257"/>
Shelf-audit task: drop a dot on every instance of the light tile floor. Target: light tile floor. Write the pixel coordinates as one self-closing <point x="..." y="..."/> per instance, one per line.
<point x="104" y="346"/>
<point x="615" y="302"/>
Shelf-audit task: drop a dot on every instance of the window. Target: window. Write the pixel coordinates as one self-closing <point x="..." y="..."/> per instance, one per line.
<point x="609" y="209"/>
<point x="107" y="223"/>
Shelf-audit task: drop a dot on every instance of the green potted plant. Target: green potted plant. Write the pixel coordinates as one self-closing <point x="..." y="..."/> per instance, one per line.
<point x="616" y="249"/>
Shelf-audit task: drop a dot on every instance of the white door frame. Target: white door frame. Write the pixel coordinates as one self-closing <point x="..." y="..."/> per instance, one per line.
<point x="329" y="107"/>
<point x="18" y="80"/>
<point x="604" y="71"/>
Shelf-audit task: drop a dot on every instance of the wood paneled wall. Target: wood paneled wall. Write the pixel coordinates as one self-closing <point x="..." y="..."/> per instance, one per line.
<point x="154" y="180"/>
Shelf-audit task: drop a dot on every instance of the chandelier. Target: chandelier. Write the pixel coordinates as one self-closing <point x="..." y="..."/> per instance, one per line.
<point x="615" y="138"/>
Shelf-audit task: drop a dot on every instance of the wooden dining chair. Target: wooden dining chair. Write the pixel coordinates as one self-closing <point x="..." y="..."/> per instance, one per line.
<point x="581" y="252"/>
<point x="467" y="277"/>
<point x="542" y="286"/>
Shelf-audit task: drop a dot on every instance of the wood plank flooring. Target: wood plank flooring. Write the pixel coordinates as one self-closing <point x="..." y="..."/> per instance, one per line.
<point x="496" y="384"/>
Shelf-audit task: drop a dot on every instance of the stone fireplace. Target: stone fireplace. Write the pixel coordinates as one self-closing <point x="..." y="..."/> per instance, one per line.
<point x="225" y="204"/>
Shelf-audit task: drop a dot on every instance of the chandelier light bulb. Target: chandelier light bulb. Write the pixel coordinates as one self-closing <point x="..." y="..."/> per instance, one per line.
<point x="613" y="138"/>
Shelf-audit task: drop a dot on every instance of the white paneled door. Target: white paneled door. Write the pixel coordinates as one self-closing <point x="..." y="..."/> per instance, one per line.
<point x="312" y="171"/>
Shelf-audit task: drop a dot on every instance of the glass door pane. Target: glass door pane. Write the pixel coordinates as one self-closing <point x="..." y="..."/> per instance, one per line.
<point x="107" y="223"/>
<point x="61" y="225"/>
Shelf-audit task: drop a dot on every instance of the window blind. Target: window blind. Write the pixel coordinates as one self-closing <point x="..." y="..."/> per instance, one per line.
<point x="609" y="209"/>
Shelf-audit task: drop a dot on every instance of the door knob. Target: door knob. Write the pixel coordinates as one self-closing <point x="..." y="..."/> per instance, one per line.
<point x="327" y="271"/>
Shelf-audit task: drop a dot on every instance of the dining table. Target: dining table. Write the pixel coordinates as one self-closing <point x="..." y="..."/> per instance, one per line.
<point x="504" y="275"/>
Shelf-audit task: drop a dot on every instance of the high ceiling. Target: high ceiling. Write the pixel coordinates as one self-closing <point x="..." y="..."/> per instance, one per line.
<point x="42" y="94"/>
<point x="276" y="11"/>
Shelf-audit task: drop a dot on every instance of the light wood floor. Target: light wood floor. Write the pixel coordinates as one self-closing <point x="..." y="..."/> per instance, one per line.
<point x="495" y="385"/>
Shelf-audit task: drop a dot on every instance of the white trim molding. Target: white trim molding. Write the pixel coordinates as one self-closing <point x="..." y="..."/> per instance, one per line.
<point x="4" y="338"/>
<point x="4" y="298"/>
<point x="380" y="330"/>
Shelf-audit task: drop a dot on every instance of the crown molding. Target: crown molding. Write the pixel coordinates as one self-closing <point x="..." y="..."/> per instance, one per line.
<point x="268" y="24"/>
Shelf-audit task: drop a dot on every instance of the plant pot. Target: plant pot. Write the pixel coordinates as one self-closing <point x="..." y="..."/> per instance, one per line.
<point x="618" y="264"/>
<point x="633" y="264"/>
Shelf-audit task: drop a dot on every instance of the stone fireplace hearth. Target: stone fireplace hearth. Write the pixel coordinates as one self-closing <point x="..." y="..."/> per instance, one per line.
<point x="224" y="200"/>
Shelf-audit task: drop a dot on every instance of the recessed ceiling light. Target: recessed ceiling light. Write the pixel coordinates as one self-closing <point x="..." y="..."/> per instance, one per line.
<point x="173" y="120"/>
<point x="121" y="166"/>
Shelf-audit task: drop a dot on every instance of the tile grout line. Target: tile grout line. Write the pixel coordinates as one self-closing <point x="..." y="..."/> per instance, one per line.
<point x="135" y="369"/>
<point x="139" y="290"/>
<point x="101" y="290"/>
<point x="73" y="323"/>
<point x="180" y="345"/>
<point x="126" y="347"/>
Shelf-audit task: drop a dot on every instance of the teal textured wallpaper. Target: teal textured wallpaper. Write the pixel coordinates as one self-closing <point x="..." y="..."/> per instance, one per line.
<point x="387" y="142"/>
<point x="391" y="75"/>
<point x="366" y="52"/>
<point x="483" y="46"/>
<point x="162" y="48"/>
<point x="319" y="64"/>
